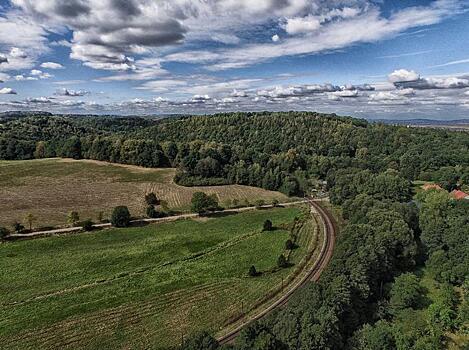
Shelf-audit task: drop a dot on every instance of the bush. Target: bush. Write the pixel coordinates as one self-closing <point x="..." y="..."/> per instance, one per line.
<point x="100" y="216"/>
<point x="120" y="216"/>
<point x="73" y="217"/>
<point x="3" y="233"/>
<point x="260" y="203"/>
<point x="275" y="202"/>
<point x="87" y="225"/>
<point x="267" y="225"/>
<point x="282" y="262"/>
<point x="18" y="227"/>
<point x="289" y="245"/>
<point x="151" y="199"/>
<point x="252" y="271"/>
<point x="202" y="203"/>
<point x="151" y="211"/>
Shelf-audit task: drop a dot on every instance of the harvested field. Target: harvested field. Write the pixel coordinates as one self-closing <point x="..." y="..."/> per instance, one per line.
<point x="51" y="188"/>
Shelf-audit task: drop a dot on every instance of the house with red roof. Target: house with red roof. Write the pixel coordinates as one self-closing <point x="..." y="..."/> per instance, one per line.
<point x="430" y="186"/>
<point x="458" y="195"/>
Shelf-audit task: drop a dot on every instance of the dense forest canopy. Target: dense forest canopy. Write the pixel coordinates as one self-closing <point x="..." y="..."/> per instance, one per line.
<point x="373" y="294"/>
<point x="277" y="151"/>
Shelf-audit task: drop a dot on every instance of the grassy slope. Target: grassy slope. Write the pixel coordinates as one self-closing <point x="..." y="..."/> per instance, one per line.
<point x="50" y="188"/>
<point x="140" y="287"/>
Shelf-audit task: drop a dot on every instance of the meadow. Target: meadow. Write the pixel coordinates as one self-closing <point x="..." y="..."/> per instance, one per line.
<point x="51" y="188"/>
<point x="142" y="287"/>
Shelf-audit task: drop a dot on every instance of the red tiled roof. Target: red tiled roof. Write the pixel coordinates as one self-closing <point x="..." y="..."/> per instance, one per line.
<point x="427" y="187"/>
<point x="456" y="194"/>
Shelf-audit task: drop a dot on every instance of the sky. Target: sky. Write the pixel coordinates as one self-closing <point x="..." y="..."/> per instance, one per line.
<point x="374" y="59"/>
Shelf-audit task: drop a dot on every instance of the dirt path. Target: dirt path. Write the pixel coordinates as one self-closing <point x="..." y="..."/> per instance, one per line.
<point x="66" y="230"/>
<point x="329" y="230"/>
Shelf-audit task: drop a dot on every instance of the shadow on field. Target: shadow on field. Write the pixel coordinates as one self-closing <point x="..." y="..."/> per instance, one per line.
<point x="139" y="224"/>
<point x="219" y="214"/>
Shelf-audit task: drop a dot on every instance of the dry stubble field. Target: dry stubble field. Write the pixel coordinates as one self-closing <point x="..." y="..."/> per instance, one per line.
<point x="51" y="188"/>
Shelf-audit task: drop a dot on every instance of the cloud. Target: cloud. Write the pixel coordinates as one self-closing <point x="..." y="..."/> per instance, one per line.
<point x="363" y="87"/>
<point x="7" y="91"/>
<point x="398" y="95"/>
<point x="16" y="52"/>
<point x="403" y="75"/>
<point x="238" y="93"/>
<point x="106" y="33"/>
<point x="51" y="65"/>
<point x="451" y="63"/>
<point x="36" y="73"/>
<point x="407" y="54"/>
<point x="21" y="77"/>
<point x="200" y="98"/>
<point x="71" y="93"/>
<point x="302" y="25"/>
<point x="403" y="79"/>
<point x="345" y="93"/>
<point x="24" y="39"/>
<point x="3" y="59"/>
<point x="364" y="25"/>
<point x="275" y="38"/>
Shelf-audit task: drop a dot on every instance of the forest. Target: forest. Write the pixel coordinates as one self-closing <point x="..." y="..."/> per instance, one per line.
<point x="399" y="277"/>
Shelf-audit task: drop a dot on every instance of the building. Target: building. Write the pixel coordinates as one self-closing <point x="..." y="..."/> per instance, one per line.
<point x="429" y="186"/>
<point x="457" y="194"/>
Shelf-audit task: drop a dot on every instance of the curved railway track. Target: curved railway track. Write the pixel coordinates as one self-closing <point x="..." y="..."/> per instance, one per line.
<point x="329" y="228"/>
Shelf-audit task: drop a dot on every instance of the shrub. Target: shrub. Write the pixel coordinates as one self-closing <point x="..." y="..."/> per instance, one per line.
<point x="3" y="233"/>
<point x="267" y="225"/>
<point x="153" y="213"/>
<point x="275" y="202"/>
<point x="289" y="245"/>
<point x="151" y="199"/>
<point x="260" y="203"/>
<point x="202" y="203"/>
<point x="73" y="217"/>
<point x="252" y="271"/>
<point x="120" y="216"/>
<point x="282" y="262"/>
<point x="18" y="227"/>
<point x="87" y="225"/>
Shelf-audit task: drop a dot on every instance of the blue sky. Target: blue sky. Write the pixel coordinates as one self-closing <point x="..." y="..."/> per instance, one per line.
<point x="365" y="58"/>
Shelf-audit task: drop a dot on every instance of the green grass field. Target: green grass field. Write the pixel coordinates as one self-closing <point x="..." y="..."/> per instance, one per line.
<point x="141" y="287"/>
<point x="51" y="188"/>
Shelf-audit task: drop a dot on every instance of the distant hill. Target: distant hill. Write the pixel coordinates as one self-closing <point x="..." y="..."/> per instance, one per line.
<point x="422" y="122"/>
<point x="19" y="114"/>
<point x="457" y="124"/>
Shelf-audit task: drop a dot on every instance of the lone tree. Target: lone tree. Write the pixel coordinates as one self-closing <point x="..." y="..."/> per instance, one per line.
<point x="120" y="216"/>
<point x="30" y="218"/>
<point x="151" y="199"/>
<point x="202" y="203"/>
<point x="289" y="245"/>
<point x="268" y="225"/>
<point x="282" y="262"/>
<point x="73" y="218"/>
<point x="252" y="271"/>
<point x="3" y="233"/>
